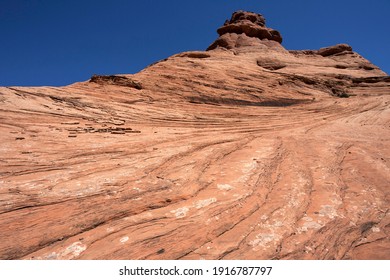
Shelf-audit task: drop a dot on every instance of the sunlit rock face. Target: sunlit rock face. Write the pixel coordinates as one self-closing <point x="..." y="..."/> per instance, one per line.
<point x="245" y="29"/>
<point x="245" y="151"/>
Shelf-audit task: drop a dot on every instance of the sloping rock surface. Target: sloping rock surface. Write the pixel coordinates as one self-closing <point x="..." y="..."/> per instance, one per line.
<point x="241" y="152"/>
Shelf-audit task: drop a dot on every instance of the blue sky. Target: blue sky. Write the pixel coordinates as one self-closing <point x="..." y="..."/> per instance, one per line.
<point x="47" y="42"/>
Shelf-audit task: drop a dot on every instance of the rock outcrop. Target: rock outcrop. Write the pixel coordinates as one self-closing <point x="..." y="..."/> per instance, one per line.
<point x="335" y="50"/>
<point x="245" y="151"/>
<point x="244" y="29"/>
<point x="115" y="80"/>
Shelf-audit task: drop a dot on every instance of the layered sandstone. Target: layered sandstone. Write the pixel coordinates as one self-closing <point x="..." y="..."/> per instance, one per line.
<point x="244" y="29"/>
<point x="246" y="151"/>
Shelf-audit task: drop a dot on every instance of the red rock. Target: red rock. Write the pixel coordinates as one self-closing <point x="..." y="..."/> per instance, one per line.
<point x="115" y="80"/>
<point x="244" y="152"/>
<point x="337" y="49"/>
<point x="250" y="25"/>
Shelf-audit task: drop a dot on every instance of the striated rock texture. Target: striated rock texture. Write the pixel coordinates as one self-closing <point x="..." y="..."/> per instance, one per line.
<point x="241" y="152"/>
<point x="244" y="29"/>
<point x="115" y="80"/>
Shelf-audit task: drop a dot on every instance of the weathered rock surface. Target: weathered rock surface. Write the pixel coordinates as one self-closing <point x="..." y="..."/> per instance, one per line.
<point x="241" y="152"/>
<point x="244" y="29"/>
<point x="335" y="50"/>
<point x="115" y="80"/>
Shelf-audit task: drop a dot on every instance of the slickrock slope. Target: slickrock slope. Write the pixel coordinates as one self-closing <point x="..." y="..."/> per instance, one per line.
<point x="246" y="151"/>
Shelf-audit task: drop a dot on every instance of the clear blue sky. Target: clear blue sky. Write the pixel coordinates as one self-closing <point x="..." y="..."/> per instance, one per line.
<point x="55" y="42"/>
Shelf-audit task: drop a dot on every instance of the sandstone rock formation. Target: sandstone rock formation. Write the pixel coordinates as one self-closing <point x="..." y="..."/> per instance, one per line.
<point x="335" y="50"/>
<point x="244" y="29"/>
<point x="115" y="80"/>
<point x="245" y="151"/>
